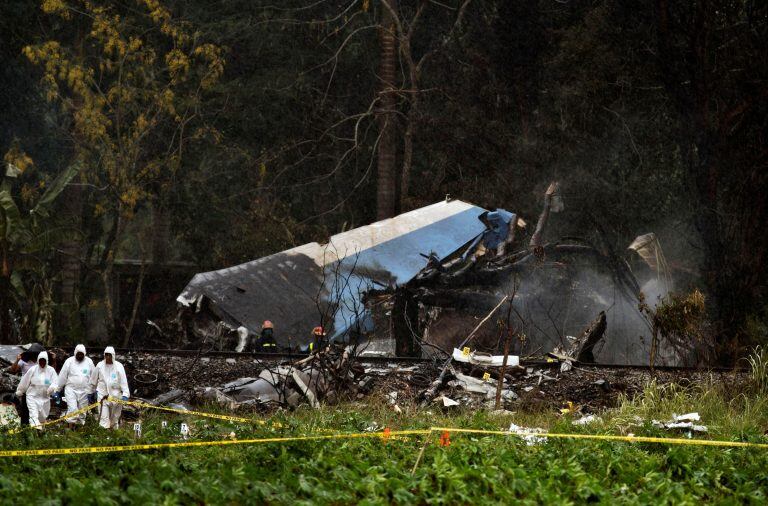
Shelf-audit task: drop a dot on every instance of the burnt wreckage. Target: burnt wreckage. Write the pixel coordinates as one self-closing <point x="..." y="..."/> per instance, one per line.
<point x="417" y="284"/>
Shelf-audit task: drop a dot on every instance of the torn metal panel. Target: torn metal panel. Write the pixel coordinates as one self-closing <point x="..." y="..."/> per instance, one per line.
<point x="294" y="288"/>
<point x="648" y="247"/>
<point x="478" y="358"/>
<point x="302" y="381"/>
<point x="249" y="388"/>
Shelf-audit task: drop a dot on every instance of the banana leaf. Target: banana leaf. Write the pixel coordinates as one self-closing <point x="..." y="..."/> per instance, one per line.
<point x="43" y="206"/>
<point x="10" y="217"/>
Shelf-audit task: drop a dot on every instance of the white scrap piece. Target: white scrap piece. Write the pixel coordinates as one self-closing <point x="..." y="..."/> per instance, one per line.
<point x="302" y="383"/>
<point x="380" y="371"/>
<point x="541" y="376"/>
<point x="528" y="435"/>
<point x="675" y="424"/>
<point x="373" y="353"/>
<point x="690" y="417"/>
<point x="479" y="386"/>
<point x="484" y="359"/>
<point x="586" y="420"/>
<point x="447" y="402"/>
<point x="471" y="384"/>
<point x="242" y="339"/>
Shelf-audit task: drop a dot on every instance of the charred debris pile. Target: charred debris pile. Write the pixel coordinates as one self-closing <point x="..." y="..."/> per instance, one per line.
<point x="450" y="304"/>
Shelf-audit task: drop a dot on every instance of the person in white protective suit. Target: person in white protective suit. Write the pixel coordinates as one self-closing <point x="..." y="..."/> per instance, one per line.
<point x="75" y="381"/>
<point x="109" y="380"/>
<point x="38" y="384"/>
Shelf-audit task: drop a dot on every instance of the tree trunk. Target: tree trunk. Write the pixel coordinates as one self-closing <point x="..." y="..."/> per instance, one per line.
<point x="5" y="287"/>
<point x="161" y="226"/>
<point x="71" y="257"/>
<point x="112" y="292"/>
<point x="136" y="303"/>
<point x="405" y="182"/>
<point x="386" y="191"/>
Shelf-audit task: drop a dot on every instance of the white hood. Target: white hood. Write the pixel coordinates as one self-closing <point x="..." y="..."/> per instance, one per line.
<point x="43" y="354"/>
<point x="110" y="350"/>
<point x="80" y="349"/>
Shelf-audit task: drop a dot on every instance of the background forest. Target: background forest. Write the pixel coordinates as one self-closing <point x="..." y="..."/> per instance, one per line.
<point x="145" y="140"/>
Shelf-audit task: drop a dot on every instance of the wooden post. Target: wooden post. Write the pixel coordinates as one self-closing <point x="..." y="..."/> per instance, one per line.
<point x="500" y="381"/>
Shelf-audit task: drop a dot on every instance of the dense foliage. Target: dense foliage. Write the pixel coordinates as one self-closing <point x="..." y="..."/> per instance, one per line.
<point x="651" y="115"/>
<point x="472" y="469"/>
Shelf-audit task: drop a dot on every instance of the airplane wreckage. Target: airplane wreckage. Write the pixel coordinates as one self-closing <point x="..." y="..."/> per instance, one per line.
<point x="418" y="307"/>
<point x="418" y="284"/>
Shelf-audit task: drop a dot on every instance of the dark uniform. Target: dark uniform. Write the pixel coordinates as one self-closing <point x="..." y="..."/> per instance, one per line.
<point x="266" y="342"/>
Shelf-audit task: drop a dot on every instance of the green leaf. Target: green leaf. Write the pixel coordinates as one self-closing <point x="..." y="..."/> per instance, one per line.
<point x="44" y="204"/>
<point x="10" y="217"/>
<point x="18" y="285"/>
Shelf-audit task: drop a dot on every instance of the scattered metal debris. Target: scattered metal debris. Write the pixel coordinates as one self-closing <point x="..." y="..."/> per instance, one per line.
<point x="682" y="422"/>
<point x="479" y="358"/>
<point x="529" y="434"/>
<point x="448" y="402"/>
<point x="588" y="419"/>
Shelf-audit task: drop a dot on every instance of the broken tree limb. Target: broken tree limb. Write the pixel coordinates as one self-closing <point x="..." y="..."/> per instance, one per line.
<point x="580" y="349"/>
<point x="430" y="393"/>
<point x="474" y="331"/>
<point x="590" y="337"/>
<point x="549" y="206"/>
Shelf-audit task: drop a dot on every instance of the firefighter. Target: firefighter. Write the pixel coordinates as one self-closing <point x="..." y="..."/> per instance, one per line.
<point x="318" y="339"/>
<point x="266" y="340"/>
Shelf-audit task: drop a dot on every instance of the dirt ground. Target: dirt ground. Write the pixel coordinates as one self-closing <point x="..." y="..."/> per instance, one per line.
<point x="537" y="387"/>
<point x="594" y="388"/>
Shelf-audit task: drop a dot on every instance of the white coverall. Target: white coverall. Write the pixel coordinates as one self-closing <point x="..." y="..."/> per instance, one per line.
<point x="110" y="380"/>
<point x="38" y="384"/>
<point x="75" y="378"/>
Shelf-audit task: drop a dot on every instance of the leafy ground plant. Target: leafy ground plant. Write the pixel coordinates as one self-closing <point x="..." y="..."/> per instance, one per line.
<point x="487" y="469"/>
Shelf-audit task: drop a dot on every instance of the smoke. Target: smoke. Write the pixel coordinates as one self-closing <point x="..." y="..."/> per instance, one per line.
<point x="556" y="303"/>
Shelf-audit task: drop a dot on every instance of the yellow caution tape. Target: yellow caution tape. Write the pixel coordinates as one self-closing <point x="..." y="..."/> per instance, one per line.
<point x="187" y="412"/>
<point x="149" y="406"/>
<point x="384" y="435"/>
<point x="607" y="437"/>
<point x="195" y="413"/>
<point x="58" y="420"/>
<point x="188" y="444"/>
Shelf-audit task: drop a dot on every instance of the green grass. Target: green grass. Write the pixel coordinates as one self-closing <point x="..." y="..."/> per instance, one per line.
<point x="473" y="469"/>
